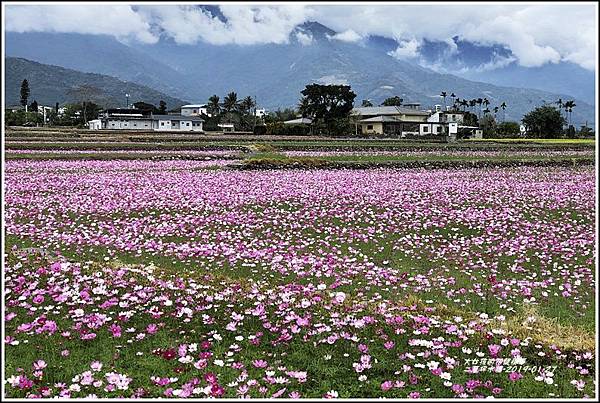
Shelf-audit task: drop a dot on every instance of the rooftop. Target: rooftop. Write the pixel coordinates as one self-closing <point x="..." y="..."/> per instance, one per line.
<point x="194" y="106"/>
<point x="387" y="110"/>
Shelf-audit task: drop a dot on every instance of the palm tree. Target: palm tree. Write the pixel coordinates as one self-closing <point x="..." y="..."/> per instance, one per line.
<point x="479" y="101"/>
<point x="452" y="95"/>
<point x="443" y="95"/>
<point x="464" y="103"/>
<point x="569" y="105"/>
<point x="503" y="106"/>
<point x="213" y="107"/>
<point x="247" y="104"/>
<point x="560" y="105"/>
<point x="472" y="104"/>
<point x="230" y="103"/>
<point x="496" y="109"/>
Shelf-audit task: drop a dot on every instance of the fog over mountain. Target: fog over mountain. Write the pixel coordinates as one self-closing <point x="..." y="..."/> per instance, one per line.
<point x="375" y="66"/>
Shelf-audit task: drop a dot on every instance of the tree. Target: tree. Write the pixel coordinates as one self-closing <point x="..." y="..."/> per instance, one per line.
<point x="488" y="124"/>
<point x="453" y="96"/>
<point x="544" y="122"/>
<point x="366" y="103"/>
<point x="246" y="105"/>
<point x="280" y="115"/>
<point x="230" y="102"/>
<point x="162" y="107"/>
<point x="393" y="101"/>
<point x="24" y="92"/>
<point x="569" y="105"/>
<point x="443" y="94"/>
<point x="508" y="129"/>
<point x="33" y="107"/>
<point x="213" y="107"/>
<point x="470" y="119"/>
<point x="56" y="108"/>
<point x="84" y="94"/>
<point x="146" y="107"/>
<point x="503" y="107"/>
<point x="328" y="104"/>
<point x="479" y="101"/>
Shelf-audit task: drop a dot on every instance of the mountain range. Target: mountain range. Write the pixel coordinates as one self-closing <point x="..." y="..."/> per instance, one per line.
<point x="276" y="73"/>
<point x="50" y="84"/>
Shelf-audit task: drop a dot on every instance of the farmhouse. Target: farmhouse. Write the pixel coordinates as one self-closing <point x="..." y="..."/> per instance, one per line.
<point x="136" y="119"/>
<point x="409" y="120"/>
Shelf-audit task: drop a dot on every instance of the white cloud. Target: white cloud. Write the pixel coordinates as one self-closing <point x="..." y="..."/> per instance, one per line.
<point x="332" y="80"/>
<point x="535" y="33"/>
<point x="406" y="49"/>
<point x="346" y="36"/>
<point x="304" y="38"/>
<point x="244" y="25"/>
<point x="116" y="20"/>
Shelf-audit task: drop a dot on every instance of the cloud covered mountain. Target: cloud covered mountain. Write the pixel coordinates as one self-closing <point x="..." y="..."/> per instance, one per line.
<point x="276" y="72"/>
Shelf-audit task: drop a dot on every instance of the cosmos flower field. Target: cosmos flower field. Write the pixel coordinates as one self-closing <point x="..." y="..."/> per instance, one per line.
<point x="138" y="278"/>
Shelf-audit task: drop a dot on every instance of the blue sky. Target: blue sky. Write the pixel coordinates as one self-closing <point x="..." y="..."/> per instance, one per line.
<point x="530" y="34"/>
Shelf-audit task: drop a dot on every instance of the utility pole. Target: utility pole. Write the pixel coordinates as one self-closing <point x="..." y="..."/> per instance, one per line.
<point x="127" y="97"/>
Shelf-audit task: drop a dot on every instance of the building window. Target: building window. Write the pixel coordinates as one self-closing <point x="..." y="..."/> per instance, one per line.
<point x="439" y="129"/>
<point x="162" y="123"/>
<point x="369" y="127"/>
<point x="135" y="124"/>
<point x="195" y="111"/>
<point x="425" y="129"/>
<point x="187" y="123"/>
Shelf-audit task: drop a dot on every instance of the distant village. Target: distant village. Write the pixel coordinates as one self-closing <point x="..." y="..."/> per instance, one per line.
<point x="323" y="109"/>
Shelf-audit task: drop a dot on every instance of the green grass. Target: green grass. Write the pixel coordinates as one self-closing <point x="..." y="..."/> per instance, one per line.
<point x="532" y="140"/>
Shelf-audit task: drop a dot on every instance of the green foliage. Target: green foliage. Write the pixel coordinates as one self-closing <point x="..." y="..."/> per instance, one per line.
<point x="470" y="119"/>
<point x="78" y="114"/>
<point x="508" y="129"/>
<point x="20" y="118"/>
<point x="260" y="130"/>
<point x="146" y="107"/>
<point x="162" y="107"/>
<point x="393" y="101"/>
<point x="366" y="103"/>
<point x="278" y="128"/>
<point x="280" y="115"/>
<point x="34" y="106"/>
<point x="488" y="124"/>
<point x="24" y="92"/>
<point x="213" y="107"/>
<point x="544" y="122"/>
<point x="586" y="132"/>
<point x="328" y="106"/>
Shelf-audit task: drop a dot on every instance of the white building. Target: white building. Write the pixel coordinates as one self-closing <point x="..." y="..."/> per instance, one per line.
<point x="259" y="113"/>
<point x="194" y="110"/>
<point x="135" y="119"/>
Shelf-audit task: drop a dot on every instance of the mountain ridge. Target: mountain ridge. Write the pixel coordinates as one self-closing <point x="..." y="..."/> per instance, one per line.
<point x="50" y="84"/>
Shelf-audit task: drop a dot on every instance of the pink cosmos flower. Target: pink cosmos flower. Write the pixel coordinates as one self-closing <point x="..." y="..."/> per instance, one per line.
<point x="514" y="376"/>
<point x="260" y="363"/>
<point x="387" y="385"/>
<point x="494" y="349"/>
